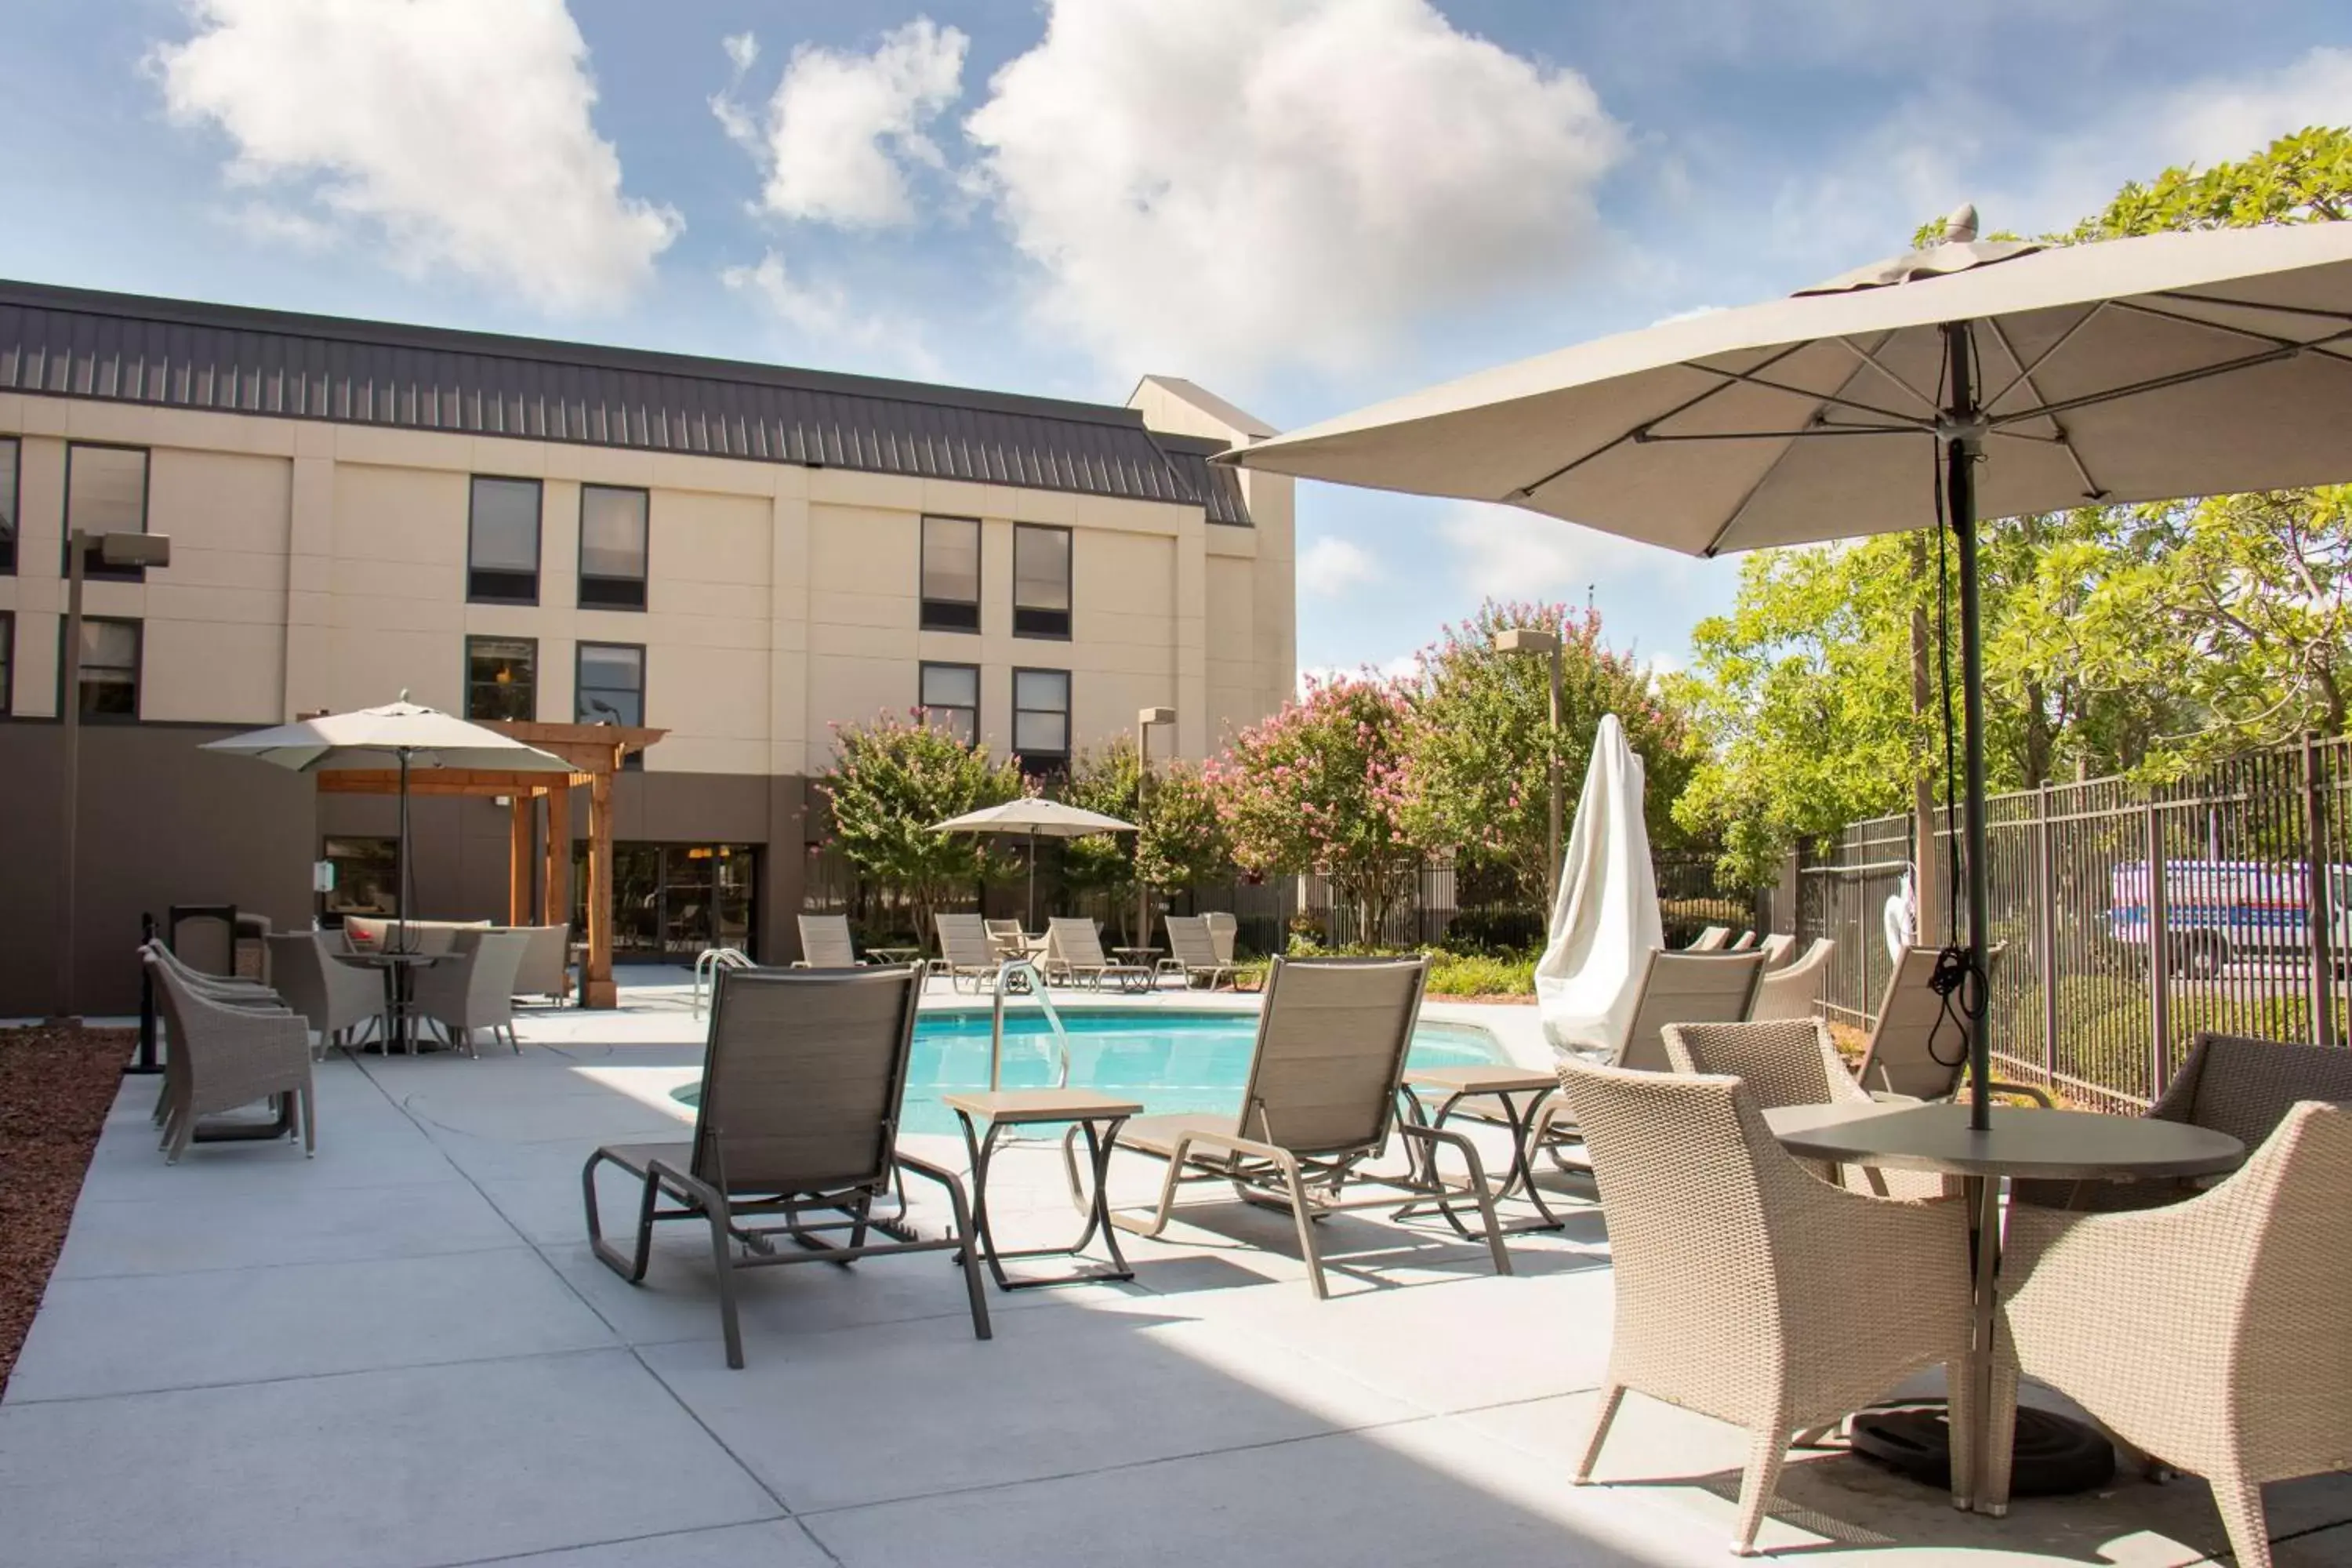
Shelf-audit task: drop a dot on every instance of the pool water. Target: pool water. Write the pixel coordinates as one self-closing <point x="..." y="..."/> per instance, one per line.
<point x="1169" y="1061"/>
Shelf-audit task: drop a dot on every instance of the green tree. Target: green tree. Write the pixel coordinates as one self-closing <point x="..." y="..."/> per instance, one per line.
<point x="1481" y="738"/>
<point x="891" y="781"/>
<point x="1103" y="780"/>
<point x="1183" y="844"/>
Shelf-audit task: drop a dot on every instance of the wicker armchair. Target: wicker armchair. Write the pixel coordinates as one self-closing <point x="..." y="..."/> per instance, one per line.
<point x="1750" y="1317"/>
<point x="223" y="1055"/>
<point x="2207" y="1334"/>
<point x="2231" y="1083"/>
<point x="337" y="998"/>
<point x="477" y="989"/>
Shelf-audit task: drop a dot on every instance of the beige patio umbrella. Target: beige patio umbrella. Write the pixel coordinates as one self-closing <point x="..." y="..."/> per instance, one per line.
<point x="1033" y="815"/>
<point x="1970" y="379"/>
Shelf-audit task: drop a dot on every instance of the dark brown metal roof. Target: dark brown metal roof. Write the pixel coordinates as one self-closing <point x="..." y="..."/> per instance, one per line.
<point x="73" y="343"/>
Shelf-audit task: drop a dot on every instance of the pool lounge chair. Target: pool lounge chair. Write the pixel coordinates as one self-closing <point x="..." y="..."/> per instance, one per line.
<point x="1919" y="1050"/>
<point x="1074" y="956"/>
<point x="1709" y="940"/>
<point x="966" y="954"/>
<point x="1192" y="952"/>
<point x="1745" y="941"/>
<point x="1776" y="949"/>
<point x="1224" y="931"/>
<point x="797" y="1125"/>
<point x="1791" y="991"/>
<point x="826" y="944"/>
<point x="1008" y="941"/>
<point x="1320" y="1102"/>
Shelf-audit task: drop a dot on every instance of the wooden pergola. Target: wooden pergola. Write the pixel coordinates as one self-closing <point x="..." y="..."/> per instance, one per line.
<point x="596" y="752"/>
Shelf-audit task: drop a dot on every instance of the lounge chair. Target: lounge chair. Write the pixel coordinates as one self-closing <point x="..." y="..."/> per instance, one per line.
<point x="797" y="1125"/>
<point x="474" y="988"/>
<point x="826" y="944"/>
<point x="965" y="951"/>
<point x="545" y="970"/>
<point x="1776" y="949"/>
<point x="223" y="1055"/>
<point x="1919" y="1050"/>
<point x="2209" y="1334"/>
<point x="1224" y="931"/>
<point x="340" y="1000"/>
<point x="1321" y="1100"/>
<point x="2231" y="1083"/>
<point x="1746" y="941"/>
<point x="1791" y="991"/>
<point x="1074" y="956"/>
<point x="1772" y="1314"/>
<point x="1709" y="940"/>
<point x="1008" y="941"/>
<point x="1192" y="952"/>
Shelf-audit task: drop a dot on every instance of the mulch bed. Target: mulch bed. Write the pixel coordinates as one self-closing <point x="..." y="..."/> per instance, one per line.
<point x="55" y="1088"/>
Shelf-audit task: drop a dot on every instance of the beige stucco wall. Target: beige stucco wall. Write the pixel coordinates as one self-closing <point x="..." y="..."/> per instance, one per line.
<point x="323" y="567"/>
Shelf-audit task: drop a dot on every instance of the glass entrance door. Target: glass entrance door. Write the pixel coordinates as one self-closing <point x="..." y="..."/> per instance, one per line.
<point x="673" y="900"/>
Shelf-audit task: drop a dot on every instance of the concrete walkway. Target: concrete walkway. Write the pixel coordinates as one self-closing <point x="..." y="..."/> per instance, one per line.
<point x="402" y="1354"/>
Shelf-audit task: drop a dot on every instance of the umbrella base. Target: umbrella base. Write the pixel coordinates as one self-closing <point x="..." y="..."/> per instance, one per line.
<point x="2053" y="1455"/>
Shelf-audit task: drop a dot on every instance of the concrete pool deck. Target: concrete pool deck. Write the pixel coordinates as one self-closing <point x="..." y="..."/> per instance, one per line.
<point x="401" y="1353"/>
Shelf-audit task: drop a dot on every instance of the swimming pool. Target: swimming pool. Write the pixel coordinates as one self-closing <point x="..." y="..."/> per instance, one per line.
<point x="1170" y="1061"/>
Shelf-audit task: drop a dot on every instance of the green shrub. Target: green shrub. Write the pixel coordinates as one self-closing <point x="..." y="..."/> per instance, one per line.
<point x="1476" y="975"/>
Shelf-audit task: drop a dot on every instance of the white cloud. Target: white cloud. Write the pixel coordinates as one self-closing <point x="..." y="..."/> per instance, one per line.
<point x="1332" y="565"/>
<point x="822" y="316"/>
<point x="1231" y="183"/>
<point x="453" y="133"/>
<point x="1504" y="553"/>
<point x="842" y="128"/>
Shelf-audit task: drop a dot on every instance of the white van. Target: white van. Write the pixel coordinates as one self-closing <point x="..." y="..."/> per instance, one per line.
<point x="2216" y="912"/>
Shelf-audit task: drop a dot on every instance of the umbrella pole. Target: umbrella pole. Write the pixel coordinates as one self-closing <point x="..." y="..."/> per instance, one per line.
<point x="400" y="938"/>
<point x="1963" y="439"/>
<point x="1032" y="878"/>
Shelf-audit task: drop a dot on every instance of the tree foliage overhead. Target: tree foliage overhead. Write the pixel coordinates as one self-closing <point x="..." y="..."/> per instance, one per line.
<point x="2117" y="639"/>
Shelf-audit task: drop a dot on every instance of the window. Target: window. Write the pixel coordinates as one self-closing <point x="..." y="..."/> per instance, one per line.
<point x="110" y="667"/>
<point x="1040" y="580"/>
<point x="610" y="683"/>
<point x="950" y="574"/>
<point x="106" y="492"/>
<point x="1041" y="719"/>
<point x="612" y="548"/>
<point x="7" y="662"/>
<point x="503" y="543"/>
<point x="950" y="697"/>
<point x="8" y="458"/>
<point x="501" y="678"/>
<point x="367" y="876"/>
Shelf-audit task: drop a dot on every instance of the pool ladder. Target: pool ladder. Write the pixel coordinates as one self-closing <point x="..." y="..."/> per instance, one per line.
<point x="707" y="965"/>
<point x="1032" y="984"/>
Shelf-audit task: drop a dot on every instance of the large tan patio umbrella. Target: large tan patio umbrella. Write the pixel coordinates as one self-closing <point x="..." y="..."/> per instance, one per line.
<point x="422" y="737"/>
<point x="1969" y="379"/>
<point x="1033" y="815"/>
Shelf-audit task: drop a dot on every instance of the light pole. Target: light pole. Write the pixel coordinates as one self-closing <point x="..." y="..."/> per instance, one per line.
<point x="1144" y="719"/>
<point x="1529" y="639"/>
<point x="114" y="549"/>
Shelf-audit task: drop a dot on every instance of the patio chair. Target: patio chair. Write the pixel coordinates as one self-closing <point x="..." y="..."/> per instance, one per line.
<point x="2231" y="1083"/>
<point x="965" y="951"/>
<point x="1224" y="931"/>
<point x="1919" y="1047"/>
<point x="1710" y="939"/>
<point x="1791" y="991"/>
<point x="1074" y="954"/>
<point x="546" y="966"/>
<point x="2209" y="1334"/>
<point x="1751" y="1317"/>
<point x="797" y="1123"/>
<point x="1192" y="952"/>
<point x="224" y="1056"/>
<point x="474" y="989"/>
<point x="1320" y="1101"/>
<point x="1777" y="949"/>
<point x="1008" y="941"/>
<point x="1746" y="941"/>
<point x="336" y="997"/>
<point x="227" y="992"/>
<point x="826" y="944"/>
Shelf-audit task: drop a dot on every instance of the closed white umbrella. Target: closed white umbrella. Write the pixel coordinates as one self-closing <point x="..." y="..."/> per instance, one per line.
<point x="1970" y="378"/>
<point x="1605" y="920"/>
<point x="1033" y="815"/>
<point x="400" y="731"/>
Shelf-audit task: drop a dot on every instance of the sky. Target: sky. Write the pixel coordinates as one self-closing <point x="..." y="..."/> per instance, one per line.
<point x="1305" y="206"/>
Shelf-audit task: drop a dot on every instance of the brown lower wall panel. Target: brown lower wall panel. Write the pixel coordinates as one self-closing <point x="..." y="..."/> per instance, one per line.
<point x="162" y="823"/>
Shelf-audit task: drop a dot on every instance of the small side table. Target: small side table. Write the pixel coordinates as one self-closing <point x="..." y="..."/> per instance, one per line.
<point x="1143" y="960"/>
<point x="1521" y="1091"/>
<point x="1099" y="1117"/>
<point x="894" y="955"/>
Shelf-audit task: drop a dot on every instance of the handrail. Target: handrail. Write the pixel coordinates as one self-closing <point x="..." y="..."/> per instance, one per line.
<point x="708" y="962"/>
<point x="1034" y="981"/>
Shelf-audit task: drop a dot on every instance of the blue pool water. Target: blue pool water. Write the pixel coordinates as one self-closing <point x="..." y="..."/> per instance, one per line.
<point x="1169" y="1061"/>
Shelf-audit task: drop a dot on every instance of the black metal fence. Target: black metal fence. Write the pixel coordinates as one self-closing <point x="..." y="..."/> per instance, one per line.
<point x="2130" y="916"/>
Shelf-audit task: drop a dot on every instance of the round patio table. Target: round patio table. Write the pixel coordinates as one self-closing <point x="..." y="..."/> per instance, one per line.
<point x="2059" y="1145"/>
<point x="399" y="972"/>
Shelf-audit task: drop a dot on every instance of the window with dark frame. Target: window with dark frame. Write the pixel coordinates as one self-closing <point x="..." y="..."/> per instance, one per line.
<point x="503" y="542"/>
<point x="612" y="550"/>
<point x="608" y="686"/>
<point x="7" y="662"/>
<point x="951" y="586"/>
<point x="1040" y="580"/>
<point x="108" y="676"/>
<point x="949" y="697"/>
<point x="1040" y="720"/>
<point x="502" y="679"/>
<point x="9" y="458"/>
<point x="106" y="492"/>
